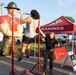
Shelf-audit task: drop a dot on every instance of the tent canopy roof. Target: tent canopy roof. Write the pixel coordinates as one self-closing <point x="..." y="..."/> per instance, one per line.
<point x="60" y="25"/>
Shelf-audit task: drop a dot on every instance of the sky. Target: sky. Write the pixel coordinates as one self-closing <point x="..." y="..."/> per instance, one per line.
<point x="49" y="10"/>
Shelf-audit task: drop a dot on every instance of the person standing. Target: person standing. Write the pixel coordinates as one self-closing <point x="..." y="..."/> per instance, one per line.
<point x="50" y="43"/>
<point x="6" y="28"/>
<point x="30" y="32"/>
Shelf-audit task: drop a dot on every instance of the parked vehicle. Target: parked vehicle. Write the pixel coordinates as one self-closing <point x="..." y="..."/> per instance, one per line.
<point x="1" y="36"/>
<point x="18" y="40"/>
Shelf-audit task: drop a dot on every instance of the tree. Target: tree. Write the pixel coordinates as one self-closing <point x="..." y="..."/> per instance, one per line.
<point x="70" y="18"/>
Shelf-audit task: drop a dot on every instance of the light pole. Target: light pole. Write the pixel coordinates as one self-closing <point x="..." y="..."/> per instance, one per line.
<point x="1" y="5"/>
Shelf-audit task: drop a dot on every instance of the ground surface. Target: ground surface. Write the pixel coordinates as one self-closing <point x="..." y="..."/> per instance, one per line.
<point x="5" y="66"/>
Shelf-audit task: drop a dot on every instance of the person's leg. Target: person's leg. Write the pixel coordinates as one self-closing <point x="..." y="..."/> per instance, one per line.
<point x="6" y="45"/>
<point x="45" y="60"/>
<point x="25" y="43"/>
<point x="51" y="58"/>
<point x="45" y="63"/>
<point x="28" y="51"/>
<point x="22" y="51"/>
<point x="28" y="47"/>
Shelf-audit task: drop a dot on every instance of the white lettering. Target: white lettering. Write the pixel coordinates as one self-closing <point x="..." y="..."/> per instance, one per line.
<point x="53" y="28"/>
<point x="56" y="22"/>
<point x="61" y="53"/>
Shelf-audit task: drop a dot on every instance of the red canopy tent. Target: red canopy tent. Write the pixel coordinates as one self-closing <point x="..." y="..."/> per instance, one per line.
<point x="60" y="25"/>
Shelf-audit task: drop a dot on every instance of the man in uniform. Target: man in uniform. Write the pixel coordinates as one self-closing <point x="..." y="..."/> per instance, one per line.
<point x="6" y="28"/>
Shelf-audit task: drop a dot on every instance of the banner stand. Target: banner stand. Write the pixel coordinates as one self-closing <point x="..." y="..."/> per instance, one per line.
<point x="71" y="56"/>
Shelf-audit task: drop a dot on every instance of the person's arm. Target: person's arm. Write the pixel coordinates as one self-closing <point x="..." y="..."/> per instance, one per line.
<point x="57" y="44"/>
<point x="20" y="31"/>
<point x="42" y="33"/>
<point x="24" y="20"/>
<point x="6" y="30"/>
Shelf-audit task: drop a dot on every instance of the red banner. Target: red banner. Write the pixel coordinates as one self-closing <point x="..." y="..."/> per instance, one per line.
<point x="60" y="53"/>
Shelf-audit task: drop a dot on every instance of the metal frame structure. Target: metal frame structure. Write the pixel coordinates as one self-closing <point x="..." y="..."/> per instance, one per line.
<point x="38" y="63"/>
<point x="12" y="72"/>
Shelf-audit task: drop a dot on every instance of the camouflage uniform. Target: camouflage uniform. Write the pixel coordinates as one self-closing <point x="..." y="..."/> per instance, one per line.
<point x="6" y="45"/>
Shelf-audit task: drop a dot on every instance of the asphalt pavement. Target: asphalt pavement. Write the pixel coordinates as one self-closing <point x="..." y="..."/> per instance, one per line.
<point x="32" y="66"/>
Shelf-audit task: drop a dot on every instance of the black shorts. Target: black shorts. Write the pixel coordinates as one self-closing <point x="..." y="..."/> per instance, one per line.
<point x="27" y="40"/>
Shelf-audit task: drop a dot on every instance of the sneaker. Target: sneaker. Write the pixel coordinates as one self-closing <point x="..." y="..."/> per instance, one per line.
<point x="19" y="59"/>
<point x="27" y="57"/>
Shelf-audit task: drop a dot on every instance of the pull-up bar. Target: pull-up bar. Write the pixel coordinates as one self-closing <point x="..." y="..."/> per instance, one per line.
<point x="24" y="13"/>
